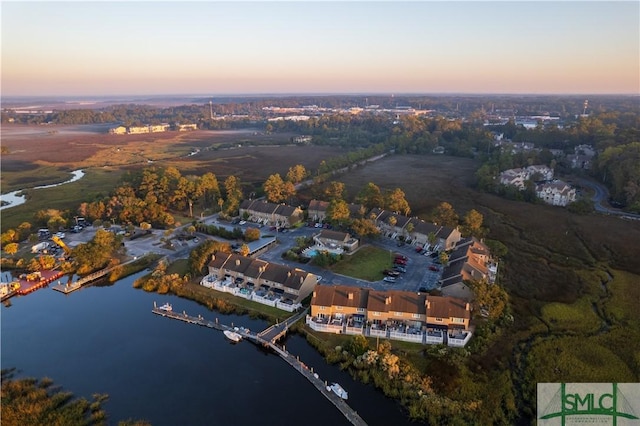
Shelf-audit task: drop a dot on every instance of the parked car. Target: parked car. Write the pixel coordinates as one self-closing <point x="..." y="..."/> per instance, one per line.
<point x="419" y="249"/>
<point x="400" y="268"/>
<point x="391" y="273"/>
<point x="435" y="254"/>
<point x="389" y="279"/>
<point x="401" y="256"/>
<point x="434" y="268"/>
<point x="400" y="262"/>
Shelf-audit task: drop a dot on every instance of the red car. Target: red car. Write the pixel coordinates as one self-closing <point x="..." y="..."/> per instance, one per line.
<point x="400" y="256"/>
<point x="433" y="268"/>
<point x="400" y="262"/>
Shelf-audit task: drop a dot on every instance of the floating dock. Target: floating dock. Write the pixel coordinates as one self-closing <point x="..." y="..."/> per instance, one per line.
<point x="273" y="333"/>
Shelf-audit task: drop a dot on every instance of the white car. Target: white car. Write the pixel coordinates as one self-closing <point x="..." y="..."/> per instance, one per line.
<point x="242" y="222"/>
<point x="60" y="235"/>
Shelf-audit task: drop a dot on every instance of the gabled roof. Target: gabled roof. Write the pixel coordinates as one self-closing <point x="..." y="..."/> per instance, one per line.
<point x="218" y="259"/>
<point x="377" y="301"/>
<point x="339" y="295"/>
<point x="452" y="273"/>
<point x="284" y="210"/>
<point x="407" y="302"/>
<point x="295" y="278"/>
<point x="276" y="273"/>
<point x="256" y="268"/>
<point x="355" y="210"/>
<point x="445" y="232"/>
<point x="447" y="307"/>
<point x="237" y="263"/>
<point x="424" y="228"/>
<point x="318" y="205"/>
<point x="246" y="204"/>
<point x="334" y="235"/>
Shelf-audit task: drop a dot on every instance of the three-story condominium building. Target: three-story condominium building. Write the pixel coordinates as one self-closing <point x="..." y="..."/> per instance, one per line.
<point x="261" y="211"/>
<point x="396" y="315"/>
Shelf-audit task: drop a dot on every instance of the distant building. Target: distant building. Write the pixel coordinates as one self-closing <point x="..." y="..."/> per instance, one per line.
<point x="302" y="139"/>
<point x="517" y="177"/>
<point x="120" y="130"/>
<point x="187" y="127"/>
<point x="155" y="128"/>
<point x="280" y="215"/>
<point x="556" y="193"/>
<point x="136" y="130"/>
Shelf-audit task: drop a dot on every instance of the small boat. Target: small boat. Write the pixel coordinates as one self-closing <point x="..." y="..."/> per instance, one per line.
<point x="166" y="307"/>
<point x="232" y="335"/>
<point x="338" y="390"/>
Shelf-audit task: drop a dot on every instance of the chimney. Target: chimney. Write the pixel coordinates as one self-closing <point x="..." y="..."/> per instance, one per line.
<point x="387" y="301"/>
<point x="314" y="294"/>
<point x="350" y="296"/>
<point x="301" y="280"/>
<point x="466" y="307"/>
<point x="237" y="262"/>
<point x="428" y="304"/>
<point x="213" y="257"/>
<point x="288" y="274"/>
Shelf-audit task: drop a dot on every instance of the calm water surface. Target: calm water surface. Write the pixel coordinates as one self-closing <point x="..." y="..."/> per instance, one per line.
<point x="106" y="340"/>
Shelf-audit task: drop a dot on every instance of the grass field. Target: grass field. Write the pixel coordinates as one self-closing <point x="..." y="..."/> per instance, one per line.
<point x="365" y="264"/>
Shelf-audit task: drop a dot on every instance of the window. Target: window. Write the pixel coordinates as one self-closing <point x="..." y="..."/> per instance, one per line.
<point x="376" y="314"/>
<point x="338" y="308"/>
<point x="398" y="314"/>
<point x="416" y="315"/>
<point x="322" y="308"/>
<point x="458" y="320"/>
<point x="439" y="319"/>
<point x="360" y="310"/>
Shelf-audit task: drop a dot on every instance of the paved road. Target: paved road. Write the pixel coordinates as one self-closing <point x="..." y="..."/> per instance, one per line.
<point x="600" y="197"/>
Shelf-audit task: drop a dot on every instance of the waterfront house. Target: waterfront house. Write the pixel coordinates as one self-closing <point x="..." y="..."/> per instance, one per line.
<point x="470" y="261"/>
<point x="284" y="282"/>
<point x="393" y="314"/>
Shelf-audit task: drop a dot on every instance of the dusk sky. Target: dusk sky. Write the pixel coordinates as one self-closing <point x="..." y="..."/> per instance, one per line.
<point x="123" y="48"/>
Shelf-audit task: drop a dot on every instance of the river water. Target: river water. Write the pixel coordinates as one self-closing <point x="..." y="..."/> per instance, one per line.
<point x="13" y="199"/>
<point x="104" y="339"/>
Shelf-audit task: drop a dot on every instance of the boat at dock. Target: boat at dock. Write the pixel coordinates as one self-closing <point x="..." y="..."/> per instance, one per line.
<point x="166" y="307"/>
<point x="232" y="335"/>
<point x="338" y="390"/>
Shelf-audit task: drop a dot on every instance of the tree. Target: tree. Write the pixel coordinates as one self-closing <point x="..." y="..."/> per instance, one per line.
<point x="338" y="211"/>
<point x="208" y="188"/>
<point x="445" y="215"/>
<point x="371" y="196"/>
<point x="244" y="250"/>
<point x="191" y="229"/>
<point x="365" y="228"/>
<point x="252" y="234"/>
<point x="296" y="174"/>
<point x="444" y="258"/>
<point x="274" y="188"/>
<point x="11" y="248"/>
<point x="472" y="223"/>
<point x="145" y="226"/>
<point x="397" y="203"/>
<point x="392" y="221"/>
<point x="335" y="191"/>
<point x="491" y="297"/>
<point x="234" y="194"/>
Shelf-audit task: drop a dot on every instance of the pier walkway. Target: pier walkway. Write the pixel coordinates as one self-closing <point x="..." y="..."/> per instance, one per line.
<point x="257" y="338"/>
<point x="73" y="286"/>
<point x="273" y="333"/>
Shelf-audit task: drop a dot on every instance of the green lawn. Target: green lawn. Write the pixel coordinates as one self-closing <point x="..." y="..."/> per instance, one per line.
<point x="366" y="264"/>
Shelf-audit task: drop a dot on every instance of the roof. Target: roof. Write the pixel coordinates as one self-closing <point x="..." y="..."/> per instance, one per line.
<point x="339" y="295"/>
<point x="377" y="301"/>
<point x="295" y="278"/>
<point x="447" y="307"/>
<point x="218" y="259"/>
<point x="406" y="301"/>
<point x="334" y="235"/>
<point x="275" y="273"/>
<point x="256" y="268"/>
<point x="238" y="263"/>
<point x="318" y="205"/>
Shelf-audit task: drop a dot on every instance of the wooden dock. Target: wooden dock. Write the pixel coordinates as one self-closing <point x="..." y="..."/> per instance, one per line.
<point x="73" y="286"/>
<point x="256" y="338"/>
